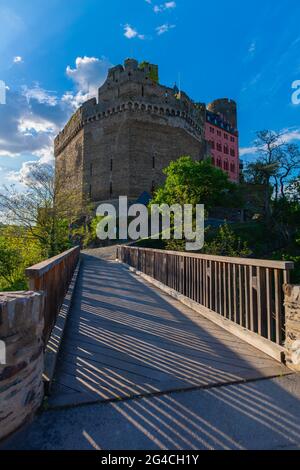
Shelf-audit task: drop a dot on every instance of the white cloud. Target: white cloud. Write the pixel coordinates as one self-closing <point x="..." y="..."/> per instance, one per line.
<point x="34" y="124"/>
<point x="252" y="48"/>
<point x="40" y="95"/>
<point x="169" y="5"/>
<point x="17" y="59"/>
<point x="27" y="170"/>
<point x="164" y="6"/>
<point x="164" y="28"/>
<point x="75" y="100"/>
<point x="46" y="155"/>
<point x="29" y="122"/>
<point x="33" y="116"/>
<point x="90" y="72"/>
<point x="88" y="75"/>
<point x="288" y="136"/>
<point x="247" y="151"/>
<point x="131" y="33"/>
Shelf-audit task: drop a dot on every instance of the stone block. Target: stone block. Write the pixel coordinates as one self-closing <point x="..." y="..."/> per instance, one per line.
<point x="292" y="325"/>
<point x="21" y="383"/>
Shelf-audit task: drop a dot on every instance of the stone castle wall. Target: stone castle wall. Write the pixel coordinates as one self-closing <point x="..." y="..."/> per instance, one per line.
<point x="120" y="145"/>
<point x="21" y="385"/>
<point x="126" y="153"/>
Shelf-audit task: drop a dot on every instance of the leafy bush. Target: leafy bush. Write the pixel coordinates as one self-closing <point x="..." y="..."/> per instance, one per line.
<point x="10" y="262"/>
<point x="18" y="250"/>
<point x="227" y="243"/>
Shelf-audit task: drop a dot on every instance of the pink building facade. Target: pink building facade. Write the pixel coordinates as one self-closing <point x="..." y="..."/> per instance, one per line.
<point x="222" y="137"/>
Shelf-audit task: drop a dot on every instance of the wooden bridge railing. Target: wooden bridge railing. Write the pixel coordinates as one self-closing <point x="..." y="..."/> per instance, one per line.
<point x="246" y="291"/>
<point x="53" y="276"/>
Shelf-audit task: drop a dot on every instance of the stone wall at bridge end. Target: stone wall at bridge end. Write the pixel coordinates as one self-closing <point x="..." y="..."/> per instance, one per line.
<point x="21" y="358"/>
<point x="292" y="326"/>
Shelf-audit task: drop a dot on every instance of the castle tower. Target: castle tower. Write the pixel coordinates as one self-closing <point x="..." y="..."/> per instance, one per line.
<point x="120" y="144"/>
<point x="226" y="108"/>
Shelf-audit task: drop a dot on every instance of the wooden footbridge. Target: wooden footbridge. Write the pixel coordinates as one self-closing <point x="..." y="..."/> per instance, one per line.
<point x="153" y="322"/>
<point x="149" y="349"/>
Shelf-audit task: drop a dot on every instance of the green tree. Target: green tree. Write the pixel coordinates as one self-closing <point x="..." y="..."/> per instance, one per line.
<point x="227" y="243"/>
<point x="18" y="250"/>
<point x="47" y="217"/>
<point x="276" y="162"/>
<point x="195" y="182"/>
<point x="10" y="262"/>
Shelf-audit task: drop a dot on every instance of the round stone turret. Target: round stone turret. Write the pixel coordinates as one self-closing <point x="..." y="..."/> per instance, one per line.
<point x="227" y="108"/>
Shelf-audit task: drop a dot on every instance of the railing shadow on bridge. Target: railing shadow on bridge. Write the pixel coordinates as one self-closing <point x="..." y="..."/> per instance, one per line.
<point x="125" y="340"/>
<point x="244" y="292"/>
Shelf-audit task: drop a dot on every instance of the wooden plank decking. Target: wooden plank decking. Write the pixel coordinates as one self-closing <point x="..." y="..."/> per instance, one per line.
<point x="125" y="339"/>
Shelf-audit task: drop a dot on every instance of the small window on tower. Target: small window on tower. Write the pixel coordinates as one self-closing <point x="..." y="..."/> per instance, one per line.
<point x="111" y="164"/>
<point x="91" y="169"/>
<point x="110" y="189"/>
<point x="90" y="191"/>
<point x="153" y="162"/>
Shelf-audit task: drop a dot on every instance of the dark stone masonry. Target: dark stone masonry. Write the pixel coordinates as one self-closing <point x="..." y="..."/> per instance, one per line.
<point x="21" y="383"/>
<point x="120" y="144"/>
<point x="292" y="326"/>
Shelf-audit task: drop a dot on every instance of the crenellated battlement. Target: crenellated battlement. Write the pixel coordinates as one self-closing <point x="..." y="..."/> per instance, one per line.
<point x="134" y="87"/>
<point x="120" y="142"/>
<point x="192" y="122"/>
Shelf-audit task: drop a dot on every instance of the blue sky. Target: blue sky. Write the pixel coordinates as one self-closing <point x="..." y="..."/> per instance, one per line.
<point x="53" y="54"/>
